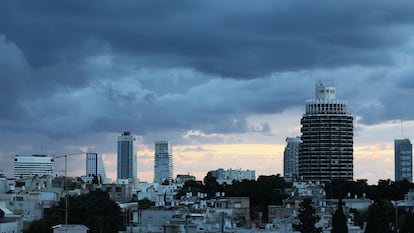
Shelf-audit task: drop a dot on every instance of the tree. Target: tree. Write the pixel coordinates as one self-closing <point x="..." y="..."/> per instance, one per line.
<point x="307" y="218"/>
<point x="360" y="217"/>
<point x="97" y="211"/>
<point x="145" y="203"/>
<point x="339" y="220"/>
<point x="165" y="182"/>
<point x="94" y="210"/>
<point x="190" y="186"/>
<point x="211" y="186"/>
<point x="407" y="223"/>
<point x="380" y="217"/>
<point x="51" y="217"/>
<point x="95" y="180"/>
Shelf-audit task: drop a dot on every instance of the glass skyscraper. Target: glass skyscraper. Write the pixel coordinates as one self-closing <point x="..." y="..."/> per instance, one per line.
<point x="326" y="151"/>
<point x="94" y="167"/>
<point x="403" y="160"/>
<point x="127" y="158"/>
<point x="163" y="161"/>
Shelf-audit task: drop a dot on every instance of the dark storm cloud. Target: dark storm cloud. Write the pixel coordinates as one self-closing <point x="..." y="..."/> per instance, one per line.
<point x="238" y="39"/>
<point x="103" y="66"/>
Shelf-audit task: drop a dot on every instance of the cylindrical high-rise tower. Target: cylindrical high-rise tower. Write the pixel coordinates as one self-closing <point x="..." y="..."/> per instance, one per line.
<point x="326" y="151"/>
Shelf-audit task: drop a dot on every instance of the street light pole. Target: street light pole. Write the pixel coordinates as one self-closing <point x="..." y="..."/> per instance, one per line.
<point x="66" y="194"/>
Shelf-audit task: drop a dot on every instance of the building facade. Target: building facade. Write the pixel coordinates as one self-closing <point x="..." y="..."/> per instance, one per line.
<point x="290" y="158"/>
<point x="70" y="228"/>
<point x="227" y="176"/>
<point x="163" y="161"/>
<point x="326" y="151"/>
<point x="26" y="166"/>
<point x="182" y="178"/>
<point x="127" y="158"/>
<point x="403" y="160"/>
<point x="9" y="223"/>
<point x="94" y="167"/>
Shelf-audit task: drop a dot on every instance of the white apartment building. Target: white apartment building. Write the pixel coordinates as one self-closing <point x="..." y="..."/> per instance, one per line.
<point x="227" y="176"/>
<point x="26" y="166"/>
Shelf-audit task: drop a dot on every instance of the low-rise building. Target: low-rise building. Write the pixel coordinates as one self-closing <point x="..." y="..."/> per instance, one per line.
<point x="28" y="197"/>
<point x="182" y="225"/>
<point x="8" y="221"/>
<point x="183" y="178"/>
<point x="227" y="176"/>
<point x="277" y="212"/>
<point x="239" y="206"/>
<point x="120" y="192"/>
<point x="162" y="195"/>
<point x="70" y="228"/>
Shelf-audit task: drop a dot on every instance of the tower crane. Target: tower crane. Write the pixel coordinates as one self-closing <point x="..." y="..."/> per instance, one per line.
<point x="66" y="160"/>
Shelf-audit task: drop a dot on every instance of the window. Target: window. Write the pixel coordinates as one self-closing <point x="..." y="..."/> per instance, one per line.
<point x="237" y="205"/>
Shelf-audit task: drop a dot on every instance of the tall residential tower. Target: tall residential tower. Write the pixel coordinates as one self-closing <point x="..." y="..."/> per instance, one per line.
<point x="326" y="151"/>
<point x="403" y="160"/>
<point x="127" y="158"/>
<point x="163" y="161"/>
<point x="290" y="158"/>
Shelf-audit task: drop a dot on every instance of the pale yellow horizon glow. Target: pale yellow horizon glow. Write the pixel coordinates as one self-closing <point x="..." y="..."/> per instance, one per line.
<point x="373" y="155"/>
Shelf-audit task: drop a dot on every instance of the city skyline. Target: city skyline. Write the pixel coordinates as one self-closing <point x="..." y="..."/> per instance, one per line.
<point x="226" y="85"/>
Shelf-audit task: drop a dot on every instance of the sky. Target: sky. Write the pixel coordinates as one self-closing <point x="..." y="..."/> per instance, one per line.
<point x="225" y="81"/>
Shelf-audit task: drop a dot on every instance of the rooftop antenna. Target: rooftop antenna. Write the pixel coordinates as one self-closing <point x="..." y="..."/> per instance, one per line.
<point x="402" y="122"/>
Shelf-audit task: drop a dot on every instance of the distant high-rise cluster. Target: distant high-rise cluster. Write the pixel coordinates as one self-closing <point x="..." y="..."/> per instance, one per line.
<point x="403" y="160"/>
<point x="26" y="166"/>
<point x="326" y="151"/>
<point x="127" y="158"/>
<point x="290" y="158"/>
<point x="163" y="161"/>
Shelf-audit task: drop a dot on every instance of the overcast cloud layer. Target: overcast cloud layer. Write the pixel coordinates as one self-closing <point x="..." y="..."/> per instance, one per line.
<point x="168" y="69"/>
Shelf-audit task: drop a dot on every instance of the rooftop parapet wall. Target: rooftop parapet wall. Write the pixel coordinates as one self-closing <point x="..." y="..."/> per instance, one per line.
<point x="316" y="106"/>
